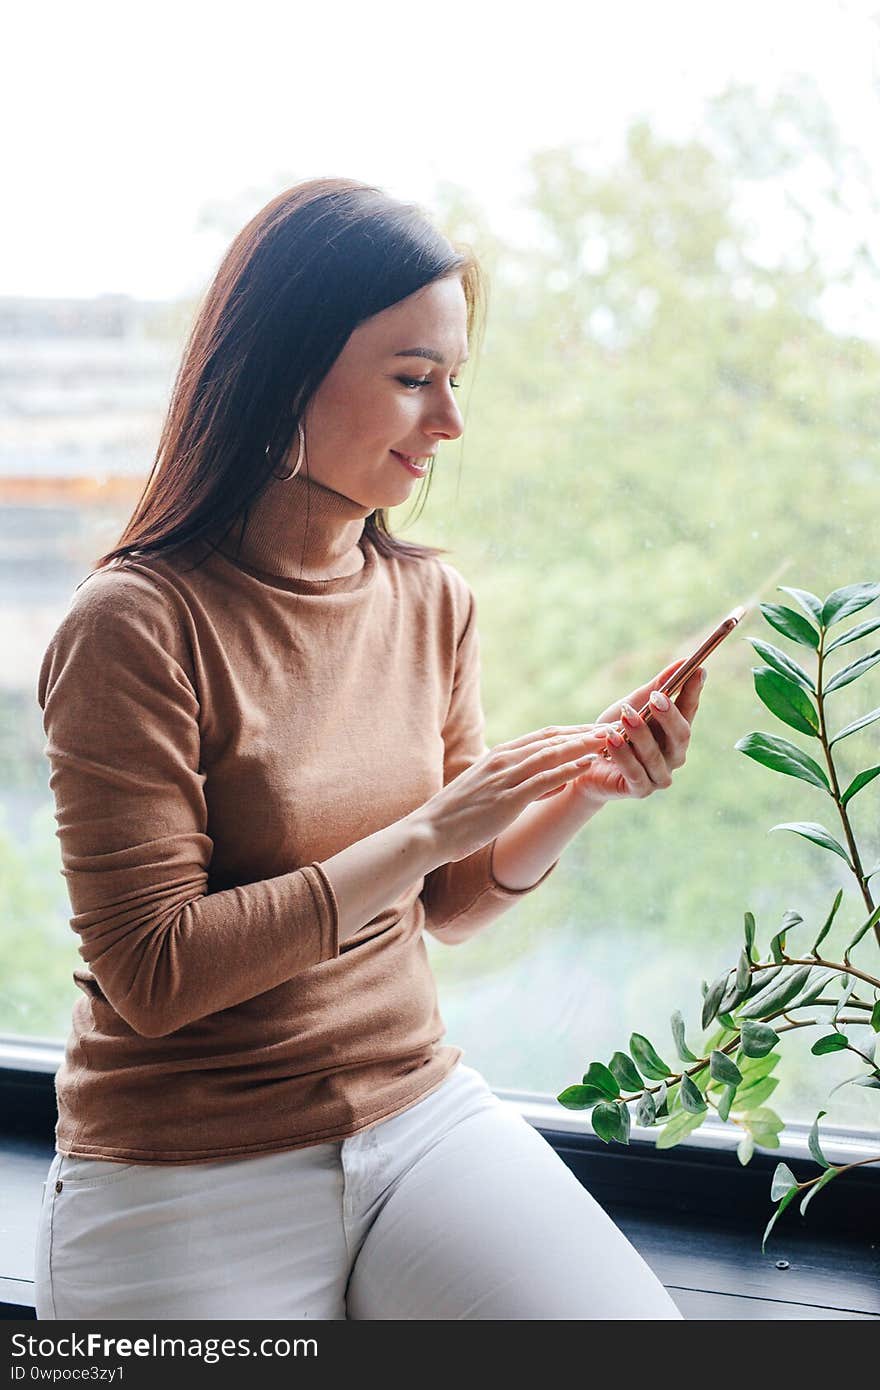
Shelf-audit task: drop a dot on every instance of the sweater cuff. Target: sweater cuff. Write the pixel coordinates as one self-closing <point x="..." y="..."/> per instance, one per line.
<point x="497" y="887"/>
<point x="466" y="894"/>
<point x="327" y="909"/>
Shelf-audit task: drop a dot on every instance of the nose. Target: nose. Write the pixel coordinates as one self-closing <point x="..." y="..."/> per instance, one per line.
<point x="444" y="417"/>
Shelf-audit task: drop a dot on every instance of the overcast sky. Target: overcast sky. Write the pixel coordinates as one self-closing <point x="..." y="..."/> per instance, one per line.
<point x="129" y="119"/>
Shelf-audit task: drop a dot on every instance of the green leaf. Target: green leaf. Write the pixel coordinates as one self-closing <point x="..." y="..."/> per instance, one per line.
<point x="787" y="700"/>
<point x="843" y="602"/>
<point x="750" y="935"/>
<point x="624" y="1123"/>
<point x="815" y="987"/>
<point x="751" y="1096"/>
<point x="875" y="1017"/>
<point x="646" y="1110"/>
<point x="720" y="1038"/>
<point x="766" y="1138"/>
<point x="652" y="1067"/>
<point x="762" y="978"/>
<point x="753" y="1068"/>
<point x="757" y="1039"/>
<point x="745" y="1149"/>
<point x="828" y="920"/>
<point x="865" y="927"/>
<point x="832" y="1042"/>
<point x="781" y="756"/>
<point x="852" y="672"/>
<point x="725" y="1102"/>
<point x="701" y="1078"/>
<point x="604" y="1080"/>
<point x="873" y="1080"/>
<point x="743" y="974"/>
<point x="579" y="1097"/>
<point x="734" y="996"/>
<point x="765" y="1126"/>
<point x="848" y="984"/>
<point x="691" y="1097"/>
<point x="765" y="1119"/>
<point x="808" y="602"/>
<point x="858" y="782"/>
<point x="681" y="1046"/>
<point x="813" y="1142"/>
<point x="789" y="984"/>
<point x="853" y="635"/>
<point x="678" y="1128"/>
<point x="712" y="1001"/>
<point x="777" y="945"/>
<point x="825" y="1179"/>
<point x="787" y="1199"/>
<point x="853" y="728"/>
<point x="608" y="1122"/>
<point x="810" y="830"/>
<point x="790" y="624"/>
<point x="783" y="664"/>
<point x="622" y="1067"/>
<point x="783" y="1179"/>
<point x="660" y="1100"/>
<point x="723" y="1068"/>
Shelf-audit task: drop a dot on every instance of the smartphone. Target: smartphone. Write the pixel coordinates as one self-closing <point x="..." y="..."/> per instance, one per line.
<point x="678" y="678"/>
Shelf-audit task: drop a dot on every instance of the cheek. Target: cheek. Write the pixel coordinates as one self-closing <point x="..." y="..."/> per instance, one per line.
<point x="379" y="414"/>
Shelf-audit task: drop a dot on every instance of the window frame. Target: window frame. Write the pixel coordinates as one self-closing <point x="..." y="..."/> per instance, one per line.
<point x="701" y="1177"/>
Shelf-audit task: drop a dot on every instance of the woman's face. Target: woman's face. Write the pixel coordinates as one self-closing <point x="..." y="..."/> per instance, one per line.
<point x="368" y="404"/>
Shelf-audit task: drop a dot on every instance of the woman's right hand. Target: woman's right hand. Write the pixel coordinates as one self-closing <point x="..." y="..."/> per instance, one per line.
<point x="480" y="802"/>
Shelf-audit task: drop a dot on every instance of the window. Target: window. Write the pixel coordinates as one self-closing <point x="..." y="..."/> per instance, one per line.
<point x="677" y="394"/>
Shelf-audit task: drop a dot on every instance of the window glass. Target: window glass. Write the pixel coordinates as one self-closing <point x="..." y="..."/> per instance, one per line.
<point x="674" y="411"/>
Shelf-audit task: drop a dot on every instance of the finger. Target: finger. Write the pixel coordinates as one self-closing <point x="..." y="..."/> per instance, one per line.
<point x="689" y="699"/>
<point x="671" y="730"/>
<point x="553" y="732"/>
<point x="643" y="740"/>
<point x="624" y="758"/>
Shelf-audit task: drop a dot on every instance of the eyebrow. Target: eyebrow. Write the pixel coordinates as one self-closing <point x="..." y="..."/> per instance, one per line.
<point x="430" y="353"/>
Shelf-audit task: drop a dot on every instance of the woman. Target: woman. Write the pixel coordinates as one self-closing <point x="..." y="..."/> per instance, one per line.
<point x="266" y="742"/>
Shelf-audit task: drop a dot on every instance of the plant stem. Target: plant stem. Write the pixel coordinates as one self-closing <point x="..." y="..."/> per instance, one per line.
<point x="828" y="964"/>
<point x="841" y="1168"/>
<point x="855" y="861"/>
<point x="702" y="1063"/>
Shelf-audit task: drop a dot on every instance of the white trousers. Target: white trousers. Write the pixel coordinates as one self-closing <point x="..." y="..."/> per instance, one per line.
<point x="455" y="1208"/>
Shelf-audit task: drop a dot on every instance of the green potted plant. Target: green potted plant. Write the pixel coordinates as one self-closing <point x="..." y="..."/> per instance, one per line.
<point x="761" y="997"/>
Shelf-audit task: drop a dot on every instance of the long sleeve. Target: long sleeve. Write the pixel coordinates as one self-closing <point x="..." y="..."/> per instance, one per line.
<point x="122" y="718"/>
<point x="462" y="898"/>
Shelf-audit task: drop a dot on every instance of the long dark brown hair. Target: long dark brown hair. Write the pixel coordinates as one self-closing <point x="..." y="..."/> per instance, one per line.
<point x="313" y="264"/>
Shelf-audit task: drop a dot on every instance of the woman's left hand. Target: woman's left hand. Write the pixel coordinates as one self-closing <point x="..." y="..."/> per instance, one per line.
<point x="654" y="750"/>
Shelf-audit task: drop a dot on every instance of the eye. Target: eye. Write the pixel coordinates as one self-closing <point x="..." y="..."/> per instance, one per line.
<point x="424" y="381"/>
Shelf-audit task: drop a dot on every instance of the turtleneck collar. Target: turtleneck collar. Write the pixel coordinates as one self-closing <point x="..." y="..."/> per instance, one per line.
<point x="299" y="529"/>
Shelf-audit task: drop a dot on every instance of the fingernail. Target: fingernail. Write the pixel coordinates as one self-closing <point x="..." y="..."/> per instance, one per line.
<point x="629" y="714"/>
<point x="614" y="738"/>
<point x="659" y="700"/>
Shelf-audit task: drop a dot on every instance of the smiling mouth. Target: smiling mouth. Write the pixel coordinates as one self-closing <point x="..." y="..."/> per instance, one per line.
<point x="418" y="469"/>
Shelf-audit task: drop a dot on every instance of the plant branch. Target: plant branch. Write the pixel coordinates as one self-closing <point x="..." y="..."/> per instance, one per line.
<point x="855" y="861"/>
<point x="818" y="960"/>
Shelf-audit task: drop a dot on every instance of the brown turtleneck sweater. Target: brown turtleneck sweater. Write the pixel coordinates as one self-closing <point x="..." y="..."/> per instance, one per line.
<point x="213" y="735"/>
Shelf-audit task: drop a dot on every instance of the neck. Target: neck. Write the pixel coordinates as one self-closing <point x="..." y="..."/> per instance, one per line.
<point x="299" y="529"/>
